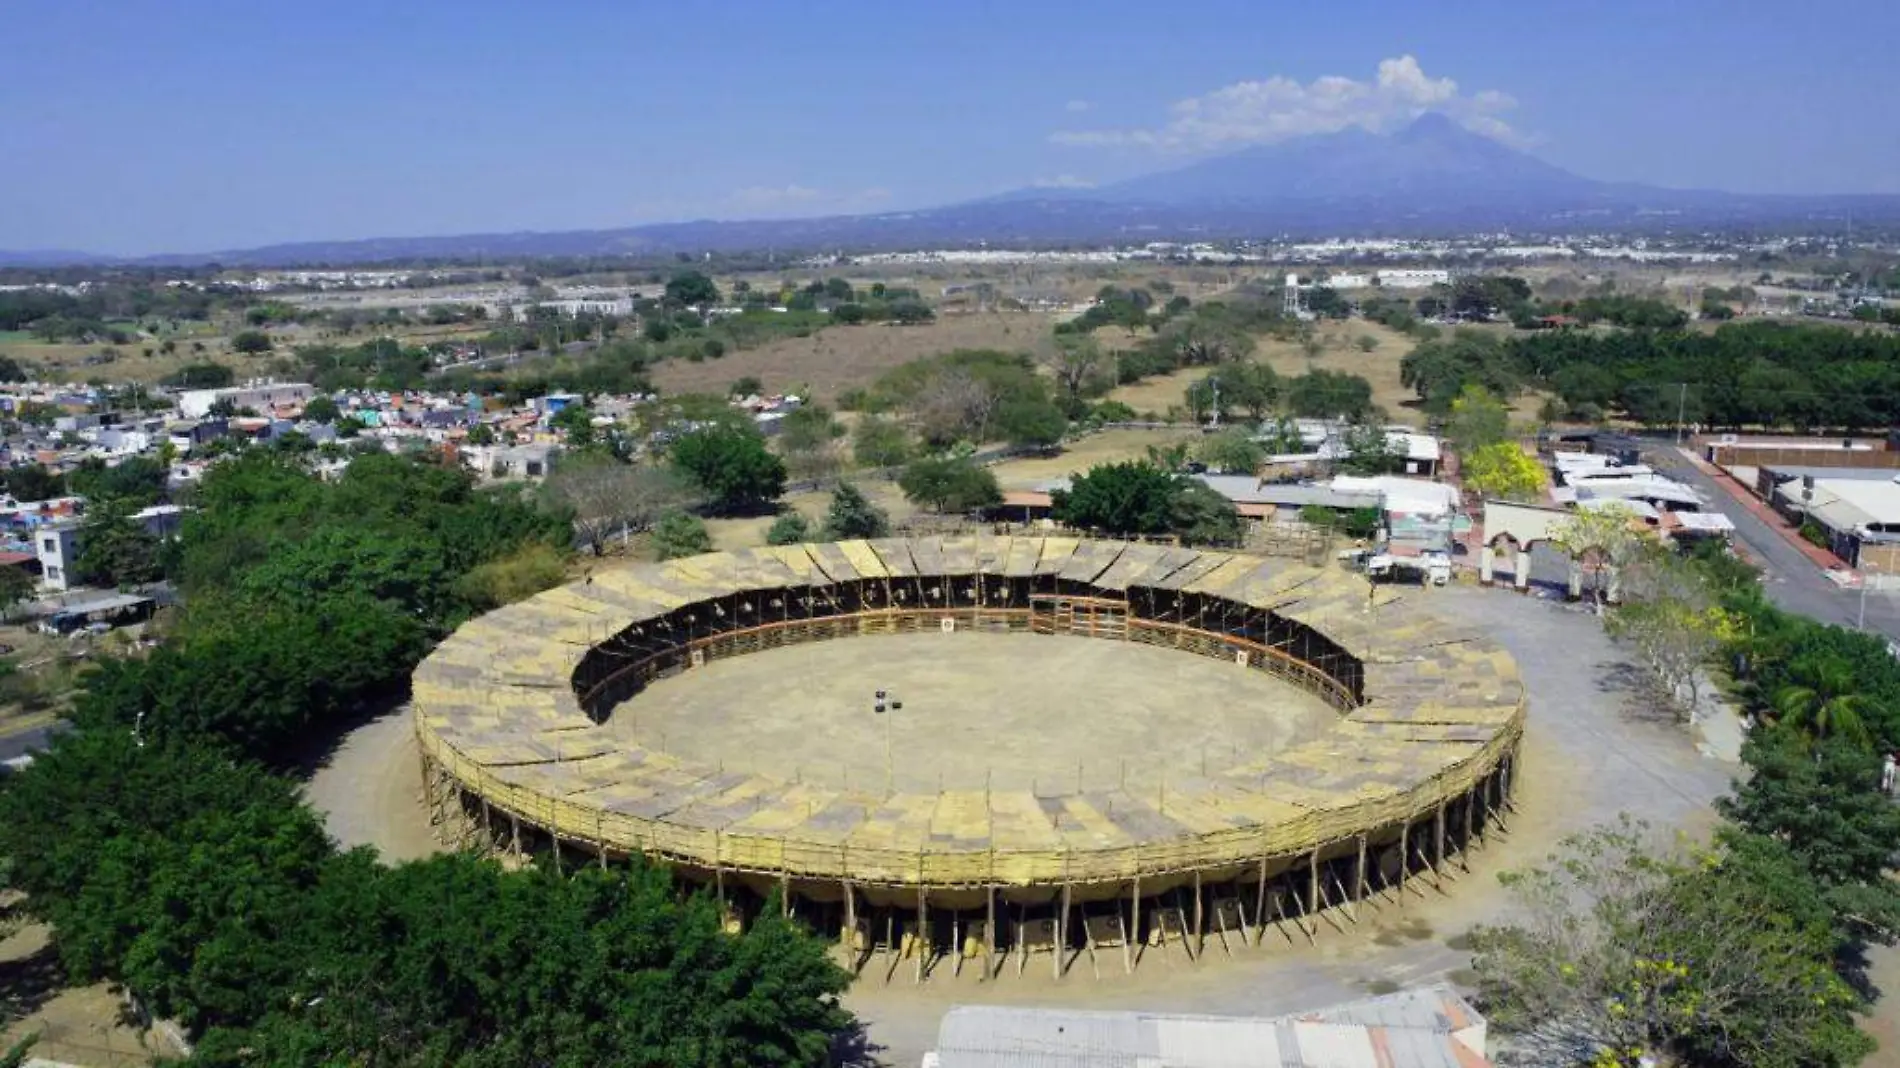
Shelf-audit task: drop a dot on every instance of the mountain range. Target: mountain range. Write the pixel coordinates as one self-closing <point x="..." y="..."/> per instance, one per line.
<point x="1432" y="177"/>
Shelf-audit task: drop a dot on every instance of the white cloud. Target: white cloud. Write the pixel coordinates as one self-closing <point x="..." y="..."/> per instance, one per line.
<point x="1062" y="181"/>
<point x="1076" y="107"/>
<point x="1258" y="112"/>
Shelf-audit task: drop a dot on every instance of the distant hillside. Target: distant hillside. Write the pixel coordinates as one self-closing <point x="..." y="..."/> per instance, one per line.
<point x="1432" y="177"/>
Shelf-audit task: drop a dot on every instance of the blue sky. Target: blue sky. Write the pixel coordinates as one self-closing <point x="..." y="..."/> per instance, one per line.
<point x="129" y="126"/>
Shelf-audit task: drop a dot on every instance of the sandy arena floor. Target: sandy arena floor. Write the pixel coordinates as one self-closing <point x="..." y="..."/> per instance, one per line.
<point x="1037" y="712"/>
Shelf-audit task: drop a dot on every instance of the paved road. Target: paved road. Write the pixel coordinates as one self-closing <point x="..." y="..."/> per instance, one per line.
<point x="1789" y="577"/>
<point x="30" y="741"/>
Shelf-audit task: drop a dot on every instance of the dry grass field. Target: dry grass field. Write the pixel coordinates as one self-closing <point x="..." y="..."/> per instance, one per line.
<point x="840" y="358"/>
<point x="200" y="344"/>
<point x="1110" y="446"/>
<point x="1339" y="351"/>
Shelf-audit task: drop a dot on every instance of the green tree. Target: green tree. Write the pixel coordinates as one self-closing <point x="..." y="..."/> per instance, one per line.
<point x="853" y="516"/>
<point x="1502" y="472"/>
<point x="879" y="442"/>
<point x="32" y="482"/>
<point x="536" y="566"/>
<point x="690" y="289"/>
<point x="1823" y="801"/>
<point x="321" y="409"/>
<point x="680" y="534"/>
<point x="1203" y="517"/>
<point x="732" y="466"/>
<point x="1369" y="450"/>
<point x="16" y="587"/>
<point x="1252" y="386"/>
<point x="789" y="529"/>
<point x="200" y="377"/>
<point x="949" y="485"/>
<point x="1822" y="699"/>
<point x="1032" y="422"/>
<point x="1477" y="419"/>
<point x="1202" y="341"/>
<point x="115" y="549"/>
<point x="746" y="386"/>
<point x="137" y="480"/>
<point x="1323" y="394"/>
<point x="576" y="423"/>
<point x="1624" y="953"/>
<point x="806" y="436"/>
<point x="251" y="342"/>
<point x="1119" y="498"/>
<point x="1233" y="450"/>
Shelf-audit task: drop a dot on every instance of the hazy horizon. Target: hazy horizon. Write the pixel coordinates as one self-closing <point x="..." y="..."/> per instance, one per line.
<point x="207" y="125"/>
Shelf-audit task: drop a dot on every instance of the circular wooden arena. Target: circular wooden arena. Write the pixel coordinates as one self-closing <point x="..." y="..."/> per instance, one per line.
<point x="1404" y="760"/>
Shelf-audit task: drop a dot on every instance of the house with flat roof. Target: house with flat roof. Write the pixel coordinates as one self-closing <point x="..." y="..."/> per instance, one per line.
<point x="1859" y="517"/>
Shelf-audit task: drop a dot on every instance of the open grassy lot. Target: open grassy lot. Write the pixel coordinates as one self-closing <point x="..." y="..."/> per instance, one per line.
<point x="843" y="357"/>
<point x="1110" y="446"/>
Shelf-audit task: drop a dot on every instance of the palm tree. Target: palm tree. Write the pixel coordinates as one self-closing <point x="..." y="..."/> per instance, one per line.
<point x="1821" y="700"/>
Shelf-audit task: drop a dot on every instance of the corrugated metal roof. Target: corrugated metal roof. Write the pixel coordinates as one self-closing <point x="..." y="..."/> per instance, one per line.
<point x="1411" y="1029"/>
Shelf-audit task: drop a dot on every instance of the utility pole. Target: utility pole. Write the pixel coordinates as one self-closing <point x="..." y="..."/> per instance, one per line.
<point x="1682" y="407"/>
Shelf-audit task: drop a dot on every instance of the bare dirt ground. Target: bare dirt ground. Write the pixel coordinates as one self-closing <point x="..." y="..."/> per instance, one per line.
<point x="83" y="1025"/>
<point x="370" y="790"/>
<point x="842" y="357"/>
<point x="748" y="531"/>
<point x="1013" y="712"/>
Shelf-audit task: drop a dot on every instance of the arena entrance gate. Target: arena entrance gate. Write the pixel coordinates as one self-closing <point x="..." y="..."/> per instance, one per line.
<point x="1094" y="617"/>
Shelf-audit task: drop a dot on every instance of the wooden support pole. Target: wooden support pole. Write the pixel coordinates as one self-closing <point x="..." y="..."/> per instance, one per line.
<point x="1405" y="857"/>
<point x="1438" y="842"/>
<point x="1464" y="842"/>
<point x="956" y="943"/>
<point x="514" y="823"/>
<point x="719" y="885"/>
<point x="1260" y="904"/>
<point x="1134" y="933"/>
<point x="851" y="926"/>
<point x="1359" y="878"/>
<point x="1312" y="894"/>
<point x="1022" y="944"/>
<point x="1200" y="940"/>
<point x="1062" y="931"/>
<point x="923" y="931"/>
<point x="1352" y="909"/>
<point x="989" y="932"/>
<point x="784" y="890"/>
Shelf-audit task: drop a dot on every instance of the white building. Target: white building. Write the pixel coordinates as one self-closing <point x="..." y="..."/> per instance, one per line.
<point x="1413" y="278"/>
<point x="58" y="545"/>
<point x="197" y="403"/>
<point x="576" y="307"/>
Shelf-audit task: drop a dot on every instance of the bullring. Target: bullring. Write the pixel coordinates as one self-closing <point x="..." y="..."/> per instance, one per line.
<point x="513" y="716"/>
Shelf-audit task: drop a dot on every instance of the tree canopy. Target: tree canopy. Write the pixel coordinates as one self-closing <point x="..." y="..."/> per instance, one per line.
<point x="732" y="467"/>
<point x="945" y="484"/>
